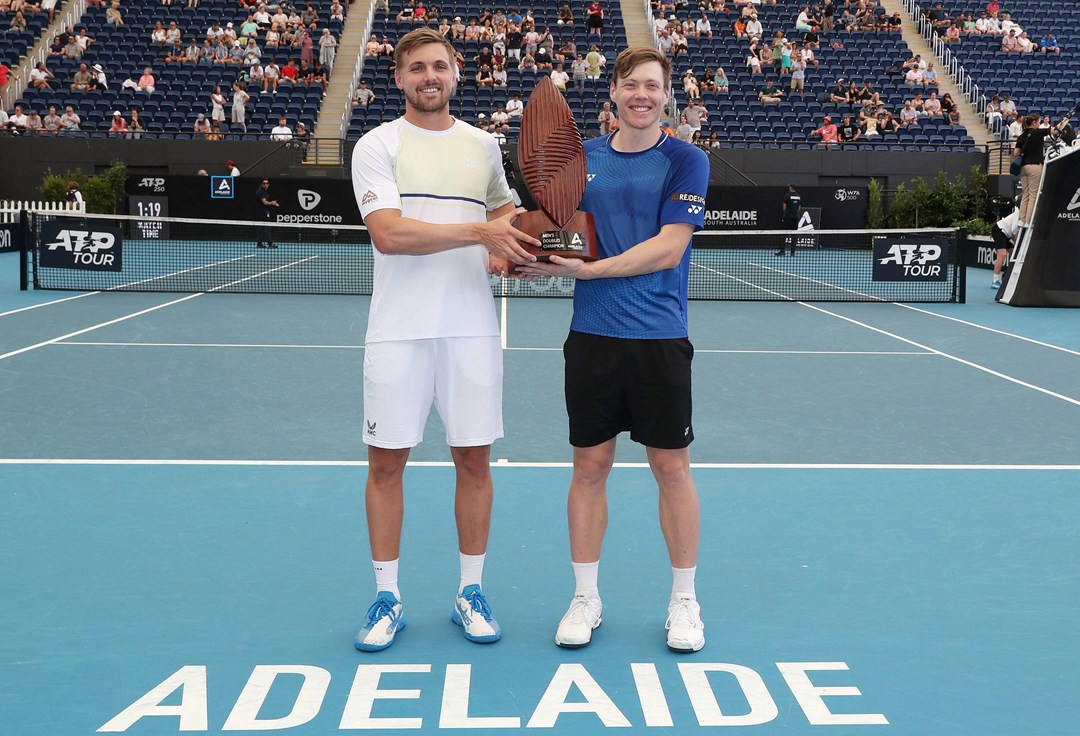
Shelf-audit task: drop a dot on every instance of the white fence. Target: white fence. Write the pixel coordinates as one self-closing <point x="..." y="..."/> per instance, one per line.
<point x="10" y="209"/>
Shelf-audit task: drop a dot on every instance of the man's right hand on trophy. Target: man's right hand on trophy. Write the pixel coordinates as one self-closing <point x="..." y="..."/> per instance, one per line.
<point x="501" y="238"/>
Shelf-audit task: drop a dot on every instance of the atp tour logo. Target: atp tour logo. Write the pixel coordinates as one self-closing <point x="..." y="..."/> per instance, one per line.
<point x="308" y="199"/>
<point x="99" y="249"/>
<point x="910" y="259"/>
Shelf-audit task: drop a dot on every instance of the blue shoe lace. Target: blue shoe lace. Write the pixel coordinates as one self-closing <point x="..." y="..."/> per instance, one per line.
<point x="478" y="603"/>
<point x="381" y="607"/>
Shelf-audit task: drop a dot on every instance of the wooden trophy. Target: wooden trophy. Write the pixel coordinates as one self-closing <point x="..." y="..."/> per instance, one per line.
<point x="552" y="160"/>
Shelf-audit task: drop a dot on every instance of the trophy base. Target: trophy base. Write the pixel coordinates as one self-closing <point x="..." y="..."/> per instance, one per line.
<point x="576" y="240"/>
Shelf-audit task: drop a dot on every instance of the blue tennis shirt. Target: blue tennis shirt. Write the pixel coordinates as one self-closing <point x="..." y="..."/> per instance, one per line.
<point x="631" y="196"/>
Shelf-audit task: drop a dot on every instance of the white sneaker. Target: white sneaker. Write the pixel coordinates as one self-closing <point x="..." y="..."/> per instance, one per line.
<point x="473" y="614"/>
<point x="579" y="621"/>
<point x="686" y="633"/>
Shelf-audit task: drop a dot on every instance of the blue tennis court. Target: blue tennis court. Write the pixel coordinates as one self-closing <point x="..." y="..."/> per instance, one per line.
<point x="889" y="542"/>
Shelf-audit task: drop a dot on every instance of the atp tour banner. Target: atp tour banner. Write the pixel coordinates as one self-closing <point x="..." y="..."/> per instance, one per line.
<point x="1046" y="268"/>
<point x="302" y="201"/>
<point x="760" y="208"/>
<point x="86" y="248"/>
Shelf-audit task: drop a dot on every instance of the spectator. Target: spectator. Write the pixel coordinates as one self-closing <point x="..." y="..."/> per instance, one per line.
<point x="271" y="77"/>
<point x="798" y="76"/>
<point x="327" y="49"/>
<point x="848" y="132"/>
<point x="51" y="122"/>
<point x="515" y="107"/>
<point x="993" y="113"/>
<point x="363" y="96"/>
<point x="1049" y="44"/>
<point x="932" y="107"/>
<point x="70" y="121"/>
<point x="119" y="128"/>
<point x="559" y="78"/>
<point x="769" y="93"/>
<point x="1008" y="108"/>
<point x="281" y="132"/>
<point x="594" y="19"/>
<point x="83" y="80"/>
<point x="113" y="15"/>
<point x="484" y="77"/>
<point x="695" y="114"/>
<point x="240" y="98"/>
<point x="202" y="127"/>
<point x="909" y="116"/>
<point x="827" y="132"/>
<point x="40" y="76"/>
<point x="949" y="109"/>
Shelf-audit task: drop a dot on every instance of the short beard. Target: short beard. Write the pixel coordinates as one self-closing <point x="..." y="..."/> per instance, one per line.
<point x="437" y="106"/>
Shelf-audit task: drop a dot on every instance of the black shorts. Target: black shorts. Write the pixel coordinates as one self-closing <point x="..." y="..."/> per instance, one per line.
<point x="1001" y="240"/>
<point x="615" y="385"/>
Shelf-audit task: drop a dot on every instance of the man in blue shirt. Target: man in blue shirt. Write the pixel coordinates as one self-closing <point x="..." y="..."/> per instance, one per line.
<point x="628" y="355"/>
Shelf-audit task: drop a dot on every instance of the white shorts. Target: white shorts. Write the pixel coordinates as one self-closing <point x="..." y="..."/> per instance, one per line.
<point x="462" y="375"/>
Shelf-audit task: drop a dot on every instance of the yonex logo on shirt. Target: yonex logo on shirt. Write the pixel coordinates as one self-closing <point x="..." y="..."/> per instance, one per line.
<point x="694" y="209"/>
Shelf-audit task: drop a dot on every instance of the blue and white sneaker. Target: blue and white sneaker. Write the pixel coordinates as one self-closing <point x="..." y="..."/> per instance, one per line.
<point x="996" y="284"/>
<point x="385" y="618"/>
<point x="473" y="614"/>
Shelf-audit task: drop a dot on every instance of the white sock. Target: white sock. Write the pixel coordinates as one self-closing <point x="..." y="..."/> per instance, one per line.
<point x="386" y="577"/>
<point x="682" y="581"/>
<point x="585" y="578"/>
<point x="472" y="569"/>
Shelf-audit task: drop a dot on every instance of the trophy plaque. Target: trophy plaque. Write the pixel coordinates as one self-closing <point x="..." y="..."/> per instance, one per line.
<point x="552" y="161"/>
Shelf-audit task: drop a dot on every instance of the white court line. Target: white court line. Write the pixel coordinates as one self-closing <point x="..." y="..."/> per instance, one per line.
<point x="205" y="345"/>
<point x="943" y="354"/>
<point x="503" y="463"/>
<point x="146" y="311"/>
<point x="990" y="329"/>
<point x="49" y="303"/>
<point x="968" y="363"/>
<point x="87" y="343"/>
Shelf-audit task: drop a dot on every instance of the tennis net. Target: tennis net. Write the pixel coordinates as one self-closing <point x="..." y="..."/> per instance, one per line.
<point x="128" y="253"/>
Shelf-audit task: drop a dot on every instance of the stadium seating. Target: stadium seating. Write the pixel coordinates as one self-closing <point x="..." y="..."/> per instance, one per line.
<point x="1046" y="84"/>
<point x="183" y="91"/>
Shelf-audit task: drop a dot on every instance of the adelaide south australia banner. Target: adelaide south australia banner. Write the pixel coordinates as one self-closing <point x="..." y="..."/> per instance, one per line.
<point x="759" y="208"/>
<point x="1046" y="267"/>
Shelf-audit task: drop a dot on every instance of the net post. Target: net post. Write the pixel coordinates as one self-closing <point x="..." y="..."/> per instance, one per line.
<point x="24" y="250"/>
<point x="961" y="270"/>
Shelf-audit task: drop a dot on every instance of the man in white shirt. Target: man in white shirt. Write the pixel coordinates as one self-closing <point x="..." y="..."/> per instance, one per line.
<point x="281" y="132"/>
<point x="433" y="334"/>
<point x="515" y="106"/>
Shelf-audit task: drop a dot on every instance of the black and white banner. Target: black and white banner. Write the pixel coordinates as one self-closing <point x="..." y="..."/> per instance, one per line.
<point x="10" y="234"/>
<point x="911" y="259"/>
<point x="87" y="248"/>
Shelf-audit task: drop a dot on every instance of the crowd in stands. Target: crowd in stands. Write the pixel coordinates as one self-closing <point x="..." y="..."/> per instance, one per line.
<point x="232" y="51"/>
<point x="268" y="49"/>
